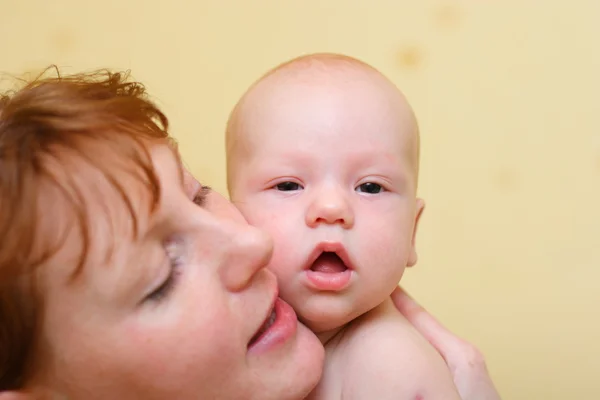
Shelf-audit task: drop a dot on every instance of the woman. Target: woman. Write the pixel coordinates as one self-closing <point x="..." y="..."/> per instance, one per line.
<point x="123" y="277"/>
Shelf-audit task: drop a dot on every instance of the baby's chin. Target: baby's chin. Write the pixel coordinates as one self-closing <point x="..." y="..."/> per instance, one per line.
<point x="326" y="316"/>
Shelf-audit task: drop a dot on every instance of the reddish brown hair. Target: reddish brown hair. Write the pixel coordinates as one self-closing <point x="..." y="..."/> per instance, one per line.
<point x="40" y="122"/>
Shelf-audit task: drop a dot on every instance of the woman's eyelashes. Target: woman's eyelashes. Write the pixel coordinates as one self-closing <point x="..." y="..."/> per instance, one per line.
<point x="174" y="250"/>
<point x="174" y="253"/>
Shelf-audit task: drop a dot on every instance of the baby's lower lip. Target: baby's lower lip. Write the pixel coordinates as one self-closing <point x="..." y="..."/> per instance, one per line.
<point x="328" y="281"/>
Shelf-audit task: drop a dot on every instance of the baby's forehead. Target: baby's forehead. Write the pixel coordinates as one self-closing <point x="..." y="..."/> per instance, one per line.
<point x="371" y="104"/>
<point x="322" y="79"/>
<point x="316" y="92"/>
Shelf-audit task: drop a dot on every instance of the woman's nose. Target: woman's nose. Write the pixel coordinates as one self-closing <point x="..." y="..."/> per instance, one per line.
<point x="246" y="251"/>
<point x="330" y="207"/>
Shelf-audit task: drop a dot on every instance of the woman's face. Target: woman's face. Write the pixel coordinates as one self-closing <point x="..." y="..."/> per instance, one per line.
<point x="173" y="314"/>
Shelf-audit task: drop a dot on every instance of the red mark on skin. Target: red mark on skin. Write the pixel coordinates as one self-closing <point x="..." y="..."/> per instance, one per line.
<point x="419" y="397"/>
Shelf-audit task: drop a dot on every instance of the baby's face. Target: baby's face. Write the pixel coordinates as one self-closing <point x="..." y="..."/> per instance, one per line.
<point x="329" y="169"/>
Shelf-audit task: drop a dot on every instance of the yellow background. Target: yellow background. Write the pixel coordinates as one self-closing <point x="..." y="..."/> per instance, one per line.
<point x="507" y="94"/>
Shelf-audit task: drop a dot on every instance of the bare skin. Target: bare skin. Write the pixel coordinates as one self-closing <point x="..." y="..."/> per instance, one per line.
<point x="465" y="361"/>
<point x="323" y="155"/>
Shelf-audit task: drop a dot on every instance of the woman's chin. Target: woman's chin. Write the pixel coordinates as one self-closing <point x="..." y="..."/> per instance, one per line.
<point x="311" y="358"/>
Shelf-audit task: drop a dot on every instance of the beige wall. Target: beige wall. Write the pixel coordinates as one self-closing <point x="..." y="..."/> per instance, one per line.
<point x="507" y="97"/>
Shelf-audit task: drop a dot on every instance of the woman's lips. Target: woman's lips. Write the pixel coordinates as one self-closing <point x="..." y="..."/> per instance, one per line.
<point x="279" y="326"/>
<point x="266" y="325"/>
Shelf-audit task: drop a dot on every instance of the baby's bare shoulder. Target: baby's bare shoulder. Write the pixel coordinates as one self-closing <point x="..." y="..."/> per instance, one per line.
<point x="382" y="356"/>
<point x="383" y="334"/>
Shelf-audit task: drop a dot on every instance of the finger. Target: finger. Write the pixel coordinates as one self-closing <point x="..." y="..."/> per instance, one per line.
<point x="440" y="337"/>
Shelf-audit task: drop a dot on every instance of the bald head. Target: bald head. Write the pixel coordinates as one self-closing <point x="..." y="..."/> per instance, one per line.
<point x="343" y="85"/>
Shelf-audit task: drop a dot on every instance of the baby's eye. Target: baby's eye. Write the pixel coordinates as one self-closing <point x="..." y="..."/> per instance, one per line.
<point x="288" y="186"/>
<point x="370" y="188"/>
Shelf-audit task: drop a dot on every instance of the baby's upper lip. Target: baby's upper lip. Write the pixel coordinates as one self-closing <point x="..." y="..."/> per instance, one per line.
<point x="329" y="247"/>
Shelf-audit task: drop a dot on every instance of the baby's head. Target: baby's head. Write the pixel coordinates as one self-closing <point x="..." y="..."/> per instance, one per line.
<point x="323" y="153"/>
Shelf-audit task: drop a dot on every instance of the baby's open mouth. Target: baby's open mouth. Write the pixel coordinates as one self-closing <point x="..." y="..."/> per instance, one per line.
<point x="264" y="327"/>
<point x="328" y="262"/>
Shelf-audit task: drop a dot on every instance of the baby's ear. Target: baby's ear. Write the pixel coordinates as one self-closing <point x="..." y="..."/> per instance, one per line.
<point x="412" y="258"/>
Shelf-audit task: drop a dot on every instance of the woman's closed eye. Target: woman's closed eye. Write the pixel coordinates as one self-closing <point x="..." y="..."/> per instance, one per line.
<point x="174" y="255"/>
<point x="173" y="250"/>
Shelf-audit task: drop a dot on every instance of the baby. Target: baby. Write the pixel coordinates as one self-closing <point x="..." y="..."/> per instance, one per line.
<point x="323" y="153"/>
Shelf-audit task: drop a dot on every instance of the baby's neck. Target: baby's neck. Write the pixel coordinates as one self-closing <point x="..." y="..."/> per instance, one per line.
<point x="326" y="336"/>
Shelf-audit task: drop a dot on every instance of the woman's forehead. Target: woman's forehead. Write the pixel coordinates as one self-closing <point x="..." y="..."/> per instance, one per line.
<point x="95" y="208"/>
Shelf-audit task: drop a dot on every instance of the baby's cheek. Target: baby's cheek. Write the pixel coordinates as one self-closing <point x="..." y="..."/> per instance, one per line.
<point x="286" y="250"/>
<point x="272" y="220"/>
<point x="389" y="245"/>
<point x="256" y="213"/>
<point x="285" y="226"/>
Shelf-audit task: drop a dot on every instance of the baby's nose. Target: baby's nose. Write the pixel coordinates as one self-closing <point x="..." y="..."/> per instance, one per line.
<point x="330" y="207"/>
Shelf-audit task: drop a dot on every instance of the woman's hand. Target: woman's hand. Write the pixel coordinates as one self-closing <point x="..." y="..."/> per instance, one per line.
<point x="465" y="362"/>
